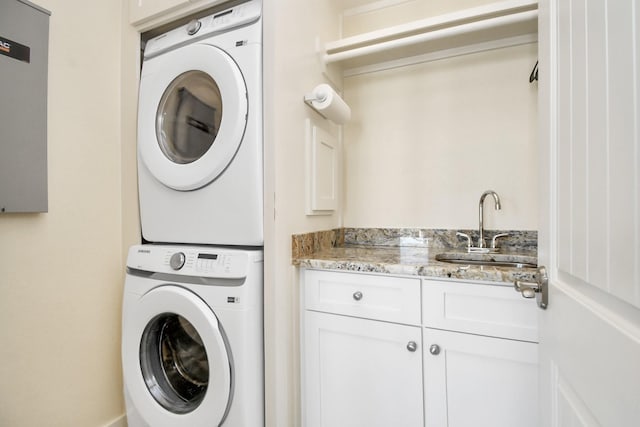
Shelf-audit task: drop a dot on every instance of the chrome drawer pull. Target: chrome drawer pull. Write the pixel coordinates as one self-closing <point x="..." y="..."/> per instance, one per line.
<point x="357" y="295"/>
<point x="434" y="349"/>
<point x="412" y="346"/>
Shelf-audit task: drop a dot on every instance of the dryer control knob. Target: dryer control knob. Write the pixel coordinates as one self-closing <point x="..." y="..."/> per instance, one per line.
<point x="177" y="260"/>
<point x="193" y="27"/>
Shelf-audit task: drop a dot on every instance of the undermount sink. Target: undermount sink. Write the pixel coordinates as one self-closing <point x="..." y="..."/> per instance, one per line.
<point x="492" y="260"/>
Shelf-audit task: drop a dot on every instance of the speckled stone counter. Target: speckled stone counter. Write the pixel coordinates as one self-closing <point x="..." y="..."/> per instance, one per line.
<point x="410" y="252"/>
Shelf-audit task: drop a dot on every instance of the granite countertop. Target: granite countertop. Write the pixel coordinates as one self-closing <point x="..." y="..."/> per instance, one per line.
<point x="414" y="261"/>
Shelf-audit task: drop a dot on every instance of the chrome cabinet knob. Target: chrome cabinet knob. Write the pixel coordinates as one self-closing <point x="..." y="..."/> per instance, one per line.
<point x="357" y="295"/>
<point x="434" y="349"/>
<point x="412" y="346"/>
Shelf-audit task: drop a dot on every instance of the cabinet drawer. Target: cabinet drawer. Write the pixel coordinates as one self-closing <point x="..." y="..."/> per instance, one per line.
<point x="489" y="310"/>
<point x="361" y="295"/>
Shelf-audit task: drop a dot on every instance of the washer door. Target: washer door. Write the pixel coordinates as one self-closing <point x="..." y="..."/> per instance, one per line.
<point x="175" y="360"/>
<point x="192" y="115"/>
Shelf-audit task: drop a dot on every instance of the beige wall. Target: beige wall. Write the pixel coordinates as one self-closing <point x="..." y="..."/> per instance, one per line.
<point x="426" y="140"/>
<point x="291" y="70"/>
<point x="61" y="273"/>
<point x="130" y="78"/>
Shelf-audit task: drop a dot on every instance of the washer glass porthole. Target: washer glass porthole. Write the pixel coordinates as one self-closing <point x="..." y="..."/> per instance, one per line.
<point x="188" y="117"/>
<point x="174" y="363"/>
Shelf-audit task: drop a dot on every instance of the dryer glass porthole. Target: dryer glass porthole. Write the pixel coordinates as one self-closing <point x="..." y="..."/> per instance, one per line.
<point x="188" y="117"/>
<point x="174" y="363"/>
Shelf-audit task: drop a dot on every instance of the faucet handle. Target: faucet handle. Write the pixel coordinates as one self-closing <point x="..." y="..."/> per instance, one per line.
<point x="496" y="237"/>
<point x="466" y="236"/>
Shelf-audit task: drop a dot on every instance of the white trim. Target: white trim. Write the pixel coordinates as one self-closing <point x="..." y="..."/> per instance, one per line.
<point x="443" y="54"/>
<point x="428" y="34"/>
<point x="620" y="315"/>
<point x="434" y="24"/>
<point x="636" y="105"/>
<point x="580" y="411"/>
<point x="121" y="421"/>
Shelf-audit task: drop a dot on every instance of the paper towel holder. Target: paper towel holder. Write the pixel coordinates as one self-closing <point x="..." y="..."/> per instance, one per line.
<point x="309" y="98"/>
<point x="322" y="93"/>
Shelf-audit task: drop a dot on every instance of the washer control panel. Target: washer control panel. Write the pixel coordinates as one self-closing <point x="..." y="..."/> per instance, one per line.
<point x="208" y="263"/>
<point x="193" y="260"/>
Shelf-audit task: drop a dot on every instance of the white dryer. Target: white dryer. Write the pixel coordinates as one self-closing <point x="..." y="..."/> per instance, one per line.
<point x="200" y="163"/>
<point x="192" y="337"/>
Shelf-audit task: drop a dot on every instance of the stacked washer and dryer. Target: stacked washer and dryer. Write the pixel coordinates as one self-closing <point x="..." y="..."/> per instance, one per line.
<point x="192" y="340"/>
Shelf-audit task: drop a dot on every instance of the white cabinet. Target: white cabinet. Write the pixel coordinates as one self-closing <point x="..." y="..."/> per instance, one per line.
<point x="475" y="380"/>
<point x="393" y="299"/>
<point x="482" y="309"/>
<point x="481" y="363"/>
<point x="361" y="371"/>
<point x="140" y="10"/>
<point x="395" y="351"/>
<point x="147" y="14"/>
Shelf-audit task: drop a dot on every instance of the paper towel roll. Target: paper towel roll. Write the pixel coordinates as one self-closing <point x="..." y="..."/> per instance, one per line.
<point x="328" y="103"/>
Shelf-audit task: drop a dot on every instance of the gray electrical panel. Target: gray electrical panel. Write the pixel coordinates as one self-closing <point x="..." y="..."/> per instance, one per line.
<point x="24" y="46"/>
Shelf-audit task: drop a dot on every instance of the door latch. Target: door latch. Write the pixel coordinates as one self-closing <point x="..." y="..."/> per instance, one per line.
<point x="539" y="289"/>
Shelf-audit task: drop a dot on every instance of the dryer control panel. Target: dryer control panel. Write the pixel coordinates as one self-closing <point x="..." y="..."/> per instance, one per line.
<point x="199" y="261"/>
<point x="242" y="14"/>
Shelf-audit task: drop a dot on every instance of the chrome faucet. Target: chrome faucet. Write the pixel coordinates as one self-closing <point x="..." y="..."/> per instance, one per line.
<point x="481" y="242"/>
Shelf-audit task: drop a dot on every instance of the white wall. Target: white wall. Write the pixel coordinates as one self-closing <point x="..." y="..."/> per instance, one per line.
<point x="426" y="140"/>
<point x="61" y="273"/>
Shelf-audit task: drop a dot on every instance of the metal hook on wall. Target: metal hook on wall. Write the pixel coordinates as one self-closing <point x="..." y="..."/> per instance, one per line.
<point x="534" y="73"/>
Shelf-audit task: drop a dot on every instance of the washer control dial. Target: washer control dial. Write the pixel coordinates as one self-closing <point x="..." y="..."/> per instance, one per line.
<point x="177" y="260"/>
<point x="193" y="27"/>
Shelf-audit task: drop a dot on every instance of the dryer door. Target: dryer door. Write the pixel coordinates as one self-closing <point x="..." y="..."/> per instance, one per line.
<point x="176" y="363"/>
<point x="192" y="115"/>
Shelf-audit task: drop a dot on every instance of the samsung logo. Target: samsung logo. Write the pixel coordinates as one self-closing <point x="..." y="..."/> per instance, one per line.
<point x="144" y="251"/>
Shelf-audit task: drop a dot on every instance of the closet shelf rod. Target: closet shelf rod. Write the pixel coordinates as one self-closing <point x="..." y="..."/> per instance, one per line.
<point x="461" y="29"/>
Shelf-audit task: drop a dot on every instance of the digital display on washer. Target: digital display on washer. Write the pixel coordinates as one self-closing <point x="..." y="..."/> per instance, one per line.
<point x="226" y="12"/>
<point x="207" y="256"/>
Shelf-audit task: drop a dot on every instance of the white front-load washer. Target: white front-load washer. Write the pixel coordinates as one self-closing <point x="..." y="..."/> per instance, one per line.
<point x="200" y="161"/>
<point x="192" y="337"/>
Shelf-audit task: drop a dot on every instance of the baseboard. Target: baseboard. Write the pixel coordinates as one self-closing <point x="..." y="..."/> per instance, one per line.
<point x="121" y="421"/>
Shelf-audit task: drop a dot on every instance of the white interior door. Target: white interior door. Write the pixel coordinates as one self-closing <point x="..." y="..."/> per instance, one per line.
<point x="590" y="222"/>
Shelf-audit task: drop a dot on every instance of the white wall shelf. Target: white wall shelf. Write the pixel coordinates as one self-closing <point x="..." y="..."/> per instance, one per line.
<point x="492" y="26"/>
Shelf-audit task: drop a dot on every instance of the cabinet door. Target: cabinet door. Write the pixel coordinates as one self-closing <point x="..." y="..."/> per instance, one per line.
<point x="360" y="373"/>
<point x="479" y="381"/>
